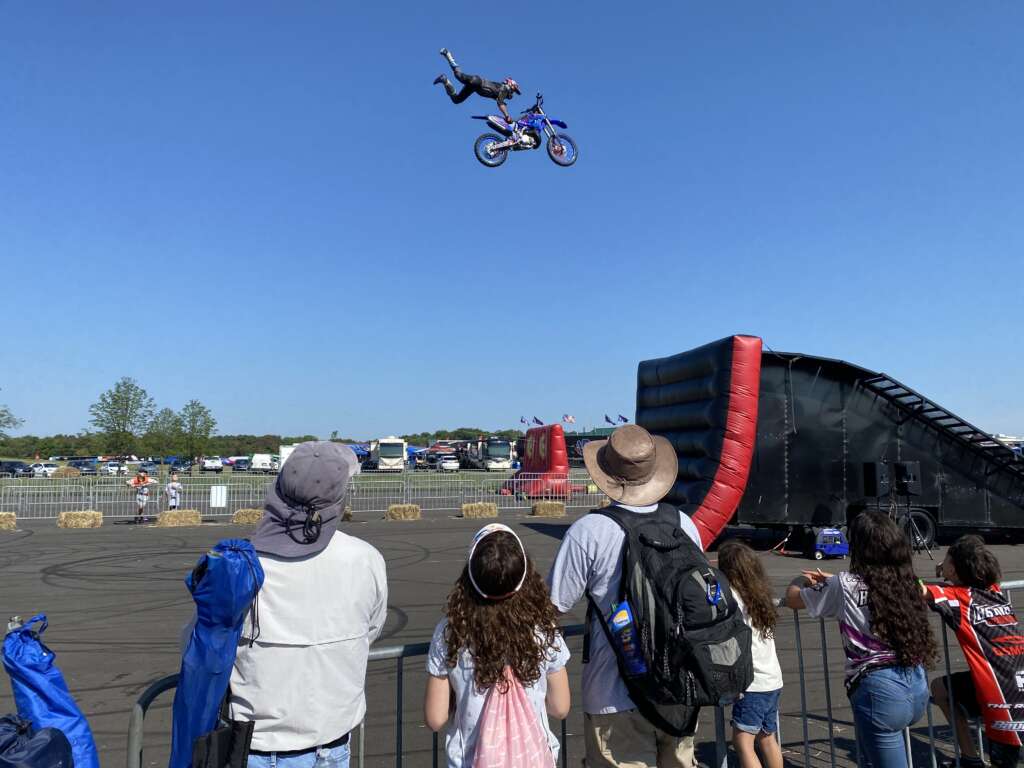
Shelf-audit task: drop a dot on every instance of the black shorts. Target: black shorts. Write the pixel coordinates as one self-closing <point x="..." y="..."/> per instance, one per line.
<point x="963" y="693"/>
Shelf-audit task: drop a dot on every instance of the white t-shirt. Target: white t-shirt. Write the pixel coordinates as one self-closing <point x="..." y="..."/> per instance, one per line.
<point x="462" y="732"/>
<point x="303" y="679"/>
<point x="590" y="558"/>
<point x="767" y="672"/>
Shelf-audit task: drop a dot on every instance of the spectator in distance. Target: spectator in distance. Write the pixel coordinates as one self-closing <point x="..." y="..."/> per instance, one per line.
<point x="883" y="620"/>
<point x="140" y="484"/>
<point x="635" y="470"/>
<point x="300" y="671"/>
<point x="173" y="490"/>
<point x="973" y="606"/>
<point x="497" y="646"/>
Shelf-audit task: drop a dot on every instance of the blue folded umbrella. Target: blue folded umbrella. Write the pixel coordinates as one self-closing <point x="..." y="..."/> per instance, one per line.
<point x="40" y="693"/>
<point x="224" y="585"/>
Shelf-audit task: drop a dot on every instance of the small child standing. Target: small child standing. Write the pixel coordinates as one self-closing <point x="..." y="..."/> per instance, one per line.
<point x="973" y="606"/>
<point x="497" y="660"/>
<point x="140" y="484"/>
<point x="173" y="490"/>
<point x="755" y="717"/>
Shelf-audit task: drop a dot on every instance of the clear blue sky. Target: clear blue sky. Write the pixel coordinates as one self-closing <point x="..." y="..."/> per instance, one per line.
<point x="268" y="207"/>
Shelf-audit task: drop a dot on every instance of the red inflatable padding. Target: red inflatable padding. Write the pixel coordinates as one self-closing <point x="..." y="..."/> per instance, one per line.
<point x="545" y="465"/>
<point x="719" y="505"/>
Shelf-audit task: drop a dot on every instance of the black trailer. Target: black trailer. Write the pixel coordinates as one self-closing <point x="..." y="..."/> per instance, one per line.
<point x="831" y="439"/>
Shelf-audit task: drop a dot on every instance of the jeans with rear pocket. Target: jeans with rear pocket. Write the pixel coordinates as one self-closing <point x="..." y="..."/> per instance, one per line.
<point x="885" y="703"/>
<point x="322" y="757"/>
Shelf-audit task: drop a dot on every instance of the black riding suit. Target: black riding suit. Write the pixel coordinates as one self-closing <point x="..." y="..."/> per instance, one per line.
<point x="475" y="84"/>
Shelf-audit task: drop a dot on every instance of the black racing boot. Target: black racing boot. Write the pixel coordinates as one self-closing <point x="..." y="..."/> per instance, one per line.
<point x="440" y="79"/>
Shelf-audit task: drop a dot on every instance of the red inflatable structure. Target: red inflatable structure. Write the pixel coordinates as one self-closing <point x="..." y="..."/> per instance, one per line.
<point x="544" y="471"/>
<point x="705" y="402"/>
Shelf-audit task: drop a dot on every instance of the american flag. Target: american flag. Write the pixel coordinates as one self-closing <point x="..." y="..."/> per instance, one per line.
<point x="538" y="422"/>
<point x="606" y="418"/>
<point x="522" y="420"/>
<point x="568" y="419"/>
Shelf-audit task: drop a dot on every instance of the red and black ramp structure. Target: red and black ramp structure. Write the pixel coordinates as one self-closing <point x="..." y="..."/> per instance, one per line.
<point x="705" y="402"/>
<point x="790" y="440"/>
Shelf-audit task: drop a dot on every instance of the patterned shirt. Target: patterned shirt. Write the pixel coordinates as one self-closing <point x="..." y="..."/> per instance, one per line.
<point x="990" y="637"/>
<point x="844" y="597"/>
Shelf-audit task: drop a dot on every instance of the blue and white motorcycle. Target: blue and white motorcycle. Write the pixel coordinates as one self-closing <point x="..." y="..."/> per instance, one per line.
<point x="528" y="132"/>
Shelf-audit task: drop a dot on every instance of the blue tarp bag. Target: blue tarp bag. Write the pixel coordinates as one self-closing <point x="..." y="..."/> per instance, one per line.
<point x="224" y="585"/>
<point x="40" y="693"/>
<point x="22" y="746"/>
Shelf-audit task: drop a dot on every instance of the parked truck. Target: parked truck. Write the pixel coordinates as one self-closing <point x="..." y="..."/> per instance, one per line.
<point x="800" y="443"/>
<point x="284" y="452"/>
<point x="387" y="454"/>
<point x="493" y="454"/>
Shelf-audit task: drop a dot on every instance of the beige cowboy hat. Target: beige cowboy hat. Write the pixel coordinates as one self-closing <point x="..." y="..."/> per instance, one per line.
<point x="633" y="466"/>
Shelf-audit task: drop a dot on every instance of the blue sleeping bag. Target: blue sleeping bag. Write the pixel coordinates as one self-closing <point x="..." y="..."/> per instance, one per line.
<point x="224" y="585"/>
<point x="21" y="746"/>
<point x="40" y="693"/>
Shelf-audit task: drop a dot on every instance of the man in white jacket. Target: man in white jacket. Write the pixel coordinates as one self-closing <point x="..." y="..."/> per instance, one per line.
<point x="300" y="671"/>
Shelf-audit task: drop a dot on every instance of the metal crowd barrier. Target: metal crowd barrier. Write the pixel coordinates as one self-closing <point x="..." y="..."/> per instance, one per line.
<point x="399" y="653"/>
<point x="370" y="492"/>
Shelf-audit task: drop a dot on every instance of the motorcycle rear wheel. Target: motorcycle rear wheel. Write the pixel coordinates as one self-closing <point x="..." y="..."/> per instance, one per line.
<point x="483" y="152"/>
<point x="562" y="150"/>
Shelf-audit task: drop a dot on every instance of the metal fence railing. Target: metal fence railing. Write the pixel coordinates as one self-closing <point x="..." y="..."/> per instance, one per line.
<point x="370" y="492"/>
<point x="927" y="744"/>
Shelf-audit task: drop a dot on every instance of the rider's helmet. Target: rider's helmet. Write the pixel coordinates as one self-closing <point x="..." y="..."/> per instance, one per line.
<point x="512" y="84"/>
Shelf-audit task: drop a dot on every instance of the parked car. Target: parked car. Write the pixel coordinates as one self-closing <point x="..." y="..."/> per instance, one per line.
<point x="114" y="469"/>
<point x="150" y="467"/>
<point x="15" y="469"/>
<point x="264" y="462"/>
<point x="84" y="466"/>
<point x="212" y="464"/>
<point x="41" y="469"/>
<point x="182" y="467"/>
<point x="448" y="462"/>
<point x="241" y="465"/>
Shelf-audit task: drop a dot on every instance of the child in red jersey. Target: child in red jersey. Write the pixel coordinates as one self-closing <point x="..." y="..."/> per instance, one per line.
<point x="973" y="606"/>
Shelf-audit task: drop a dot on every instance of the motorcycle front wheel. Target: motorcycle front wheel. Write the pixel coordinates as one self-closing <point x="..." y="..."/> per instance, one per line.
<point x="562" y="150"/>
<point x="489" y="157"/>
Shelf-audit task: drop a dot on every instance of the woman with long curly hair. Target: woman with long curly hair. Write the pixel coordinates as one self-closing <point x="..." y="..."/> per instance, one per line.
<point x="755" y="717"/>
<point x="883" y="620"/>
<point x="500" y="632"/>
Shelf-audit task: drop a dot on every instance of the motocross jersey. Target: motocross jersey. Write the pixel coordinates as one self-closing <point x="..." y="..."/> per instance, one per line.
<point x="991" y="640"/>
<point x="492" y="90"/>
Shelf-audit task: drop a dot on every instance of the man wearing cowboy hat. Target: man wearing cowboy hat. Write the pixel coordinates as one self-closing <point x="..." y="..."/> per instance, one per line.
<point x="635" y="469"/>
<point x="300" y="671"/>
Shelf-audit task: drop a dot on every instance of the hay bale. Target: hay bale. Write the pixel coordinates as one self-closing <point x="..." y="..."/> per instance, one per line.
<point x="179" y="518"/>
<point x="85" y="519"/>
<point x="66" y="472"/>
<point x="247" y="516"/>
<point x="548" y="509"/>
<point x="480" y="509"/>
<point x="403" y="512"/>
<point x="8" y="521"/>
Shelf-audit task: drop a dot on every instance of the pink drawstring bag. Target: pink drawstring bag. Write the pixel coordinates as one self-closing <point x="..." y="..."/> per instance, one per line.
<point x="511" y="735"/>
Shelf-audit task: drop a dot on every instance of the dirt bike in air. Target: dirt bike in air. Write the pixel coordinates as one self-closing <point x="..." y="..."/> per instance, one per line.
<point x="527" y="132"/>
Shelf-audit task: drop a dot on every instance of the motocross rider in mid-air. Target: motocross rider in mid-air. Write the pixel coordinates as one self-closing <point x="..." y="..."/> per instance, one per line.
<point x="500" y="92"/>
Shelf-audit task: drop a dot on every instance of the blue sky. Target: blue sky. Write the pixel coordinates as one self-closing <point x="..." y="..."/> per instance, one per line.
<point x="268" y="207"/>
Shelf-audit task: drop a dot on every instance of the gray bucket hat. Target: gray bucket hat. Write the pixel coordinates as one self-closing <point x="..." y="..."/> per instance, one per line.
<point x="303" y="507"/>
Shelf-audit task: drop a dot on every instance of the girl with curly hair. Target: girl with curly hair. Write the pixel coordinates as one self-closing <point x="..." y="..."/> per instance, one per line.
<point x="883" y="620"/>
<point x="755" y="717"/>
<point x="499" y="625"/>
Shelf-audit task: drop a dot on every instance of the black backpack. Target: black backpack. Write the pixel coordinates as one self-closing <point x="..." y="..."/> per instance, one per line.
<point x="687" y="627"/>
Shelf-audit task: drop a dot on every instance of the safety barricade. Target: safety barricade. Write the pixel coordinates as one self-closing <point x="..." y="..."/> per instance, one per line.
<point x="824" y="732"/>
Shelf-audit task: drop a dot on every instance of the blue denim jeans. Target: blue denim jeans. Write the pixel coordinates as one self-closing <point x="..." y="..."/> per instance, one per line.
<point x="336" y="757"/>
<point x="886" y="702"/>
